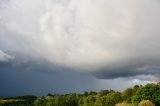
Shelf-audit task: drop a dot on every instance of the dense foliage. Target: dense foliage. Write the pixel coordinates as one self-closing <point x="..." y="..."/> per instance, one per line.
<point x="148" y="95"/>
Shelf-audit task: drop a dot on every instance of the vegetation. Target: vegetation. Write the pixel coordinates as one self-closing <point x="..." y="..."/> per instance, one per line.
<point x="146" y="103"/>
<point x="148" y="95"/>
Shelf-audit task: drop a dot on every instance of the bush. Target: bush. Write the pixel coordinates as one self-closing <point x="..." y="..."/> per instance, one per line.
<point x="122" y="104"/>
<point x="146" y="103"/>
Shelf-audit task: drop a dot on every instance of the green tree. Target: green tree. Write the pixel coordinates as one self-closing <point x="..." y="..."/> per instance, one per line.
<point x="127" y="94"/>
<point x="90" y="100"/>
<point x="50" y="101"/>
<point x="81" y="101"/>
<point x="112" y="98"/>
<point x="72" y="100"/>
<point x="40" y="102"/>
<point x="104" y="92"/>
<point x="150" y="92"/>
<point x="98" y="101"/>
<point x="135" y="89"/>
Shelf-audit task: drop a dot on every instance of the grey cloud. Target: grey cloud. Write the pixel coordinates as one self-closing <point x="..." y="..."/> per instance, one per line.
<point x="130" y="69"/>
<point x="40" y="77"/>
<point x="110" y="39"/>
<point x="4" y="56"/>
<point x="126" y="73"/>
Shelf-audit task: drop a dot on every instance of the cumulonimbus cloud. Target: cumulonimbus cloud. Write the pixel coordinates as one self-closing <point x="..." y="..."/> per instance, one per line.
<point x="107" y="38"/>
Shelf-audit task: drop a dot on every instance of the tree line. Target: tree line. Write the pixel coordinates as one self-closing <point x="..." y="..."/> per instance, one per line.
<point x="148" y="95"/>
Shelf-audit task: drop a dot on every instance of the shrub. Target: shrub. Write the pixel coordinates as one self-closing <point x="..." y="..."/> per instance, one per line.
<point x="146" y="103"/>
<point x="123" y="104"/>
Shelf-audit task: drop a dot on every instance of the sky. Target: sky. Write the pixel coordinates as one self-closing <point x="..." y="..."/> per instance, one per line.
<point x="63" y="46"/>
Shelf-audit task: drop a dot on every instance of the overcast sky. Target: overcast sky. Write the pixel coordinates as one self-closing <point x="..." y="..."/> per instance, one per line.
<point x="62" y="46"/>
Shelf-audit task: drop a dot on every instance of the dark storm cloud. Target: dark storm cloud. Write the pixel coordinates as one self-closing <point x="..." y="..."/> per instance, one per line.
<point x="126" y="73"/>
<point x="131" y="69"/>
<point x="4" y="64"/>
<point x="40" y="77"/>
<point x="109" y="39"/>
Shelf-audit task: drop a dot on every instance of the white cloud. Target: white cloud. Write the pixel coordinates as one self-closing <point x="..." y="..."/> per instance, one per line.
<point x="101" y="33"/>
